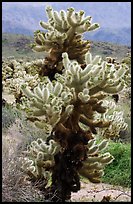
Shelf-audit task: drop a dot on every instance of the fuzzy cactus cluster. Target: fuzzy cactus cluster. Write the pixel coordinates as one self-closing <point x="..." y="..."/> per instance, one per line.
<point x="47" y="101"/>
<point x="76" y="94"/>
<point x="116" y="118"/>
<point x="39" y="159"/>
<point x="98" y="75"/>
<point x="93" y="166"/>
<point x="18" y="72"/>
<point x="63" y="33"/>
<point x="71" y="100"/>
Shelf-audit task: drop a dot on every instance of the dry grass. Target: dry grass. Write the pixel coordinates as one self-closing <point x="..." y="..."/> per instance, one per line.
<point x="15" y="187"/>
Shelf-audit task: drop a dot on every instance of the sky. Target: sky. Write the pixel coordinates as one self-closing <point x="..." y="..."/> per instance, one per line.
<point x="111" y="16"/>
<point x="105" y="10"/>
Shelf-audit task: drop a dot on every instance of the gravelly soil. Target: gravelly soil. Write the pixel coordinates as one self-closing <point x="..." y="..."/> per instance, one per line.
<point x="101" y="193"/>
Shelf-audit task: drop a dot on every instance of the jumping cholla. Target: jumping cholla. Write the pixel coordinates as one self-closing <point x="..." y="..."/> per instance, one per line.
<point x="72" y="104"/>
<point x="64" y="34"/>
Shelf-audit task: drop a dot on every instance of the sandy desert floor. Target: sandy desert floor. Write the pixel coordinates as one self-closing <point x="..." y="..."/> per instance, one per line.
<point x="101" y="192"/>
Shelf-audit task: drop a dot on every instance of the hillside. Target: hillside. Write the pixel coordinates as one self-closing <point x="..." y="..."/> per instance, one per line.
<point x="114" y="18"/>
<point x="19" y="46"/>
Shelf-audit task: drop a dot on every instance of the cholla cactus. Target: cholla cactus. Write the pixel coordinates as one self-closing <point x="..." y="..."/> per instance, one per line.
<point x="70" y="104"/>
<point x="93" y="166"/>
<point x="19" y="79"/>
<point x="116" y="118"/>
<point x="48" y="101"/>
<point x="15" y="73"/>
<point x="98" y="75"/>
<point x="64" y="34"/>
<point x="40" y="159"/>
<point x="75" y="108"/>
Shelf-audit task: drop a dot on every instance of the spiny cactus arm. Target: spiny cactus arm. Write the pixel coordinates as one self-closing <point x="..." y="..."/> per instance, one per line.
<point x="114" y="116"/>
<point x="29" y="168"/>
<point x="117" y="124"/>
<point x="93" y="166"/>
<point x="97" y="76"/>
<point x="93" y="124"/>
<point x="47" y="41"/>
<point x="68" y="19"/>
<point x="39" y="158"/>
<point x="63" y="34"/>
<point x="113" y="83"/>
<point x="66" y="113"/>
<point x="48" y="104"/>
<point x="90" y="122"/>
<point x="113" y="89"/>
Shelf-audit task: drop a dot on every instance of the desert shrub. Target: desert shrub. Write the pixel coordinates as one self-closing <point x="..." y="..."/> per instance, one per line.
<point x="119" y="171"/>
<point x="15" y="187"/>
<point x="9" y="115"/>
<point x="29" y="131"/>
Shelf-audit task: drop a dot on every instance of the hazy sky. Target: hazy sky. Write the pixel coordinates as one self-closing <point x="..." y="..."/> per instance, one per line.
<point x="104" y="10"/>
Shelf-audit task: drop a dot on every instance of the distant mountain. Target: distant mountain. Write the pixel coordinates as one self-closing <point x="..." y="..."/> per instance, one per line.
<point x="114" y="18"/>
<point x="19" y="46"/>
